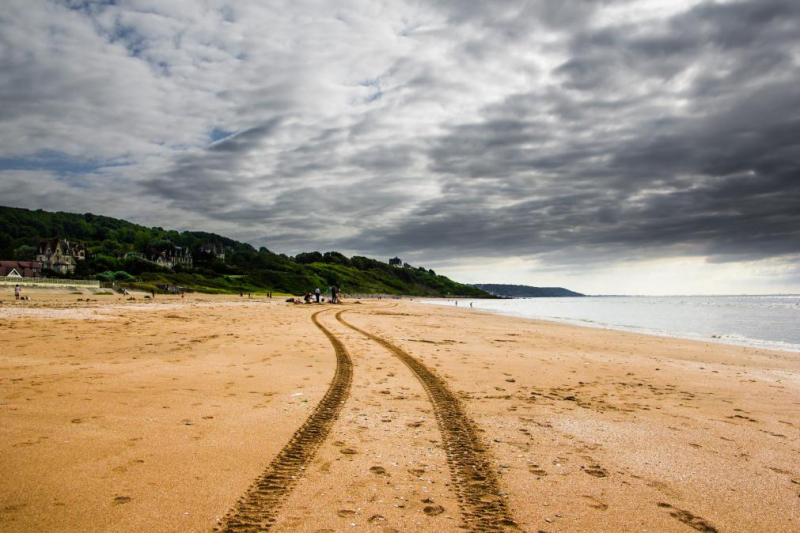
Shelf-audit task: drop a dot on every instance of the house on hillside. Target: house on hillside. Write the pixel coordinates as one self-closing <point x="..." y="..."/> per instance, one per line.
<point x="211" y="250"/>
<point x="60" y="255"/>
<point x="182" y="256"/>
<point x="11" y="270"/>
<point x="170" y="257"/>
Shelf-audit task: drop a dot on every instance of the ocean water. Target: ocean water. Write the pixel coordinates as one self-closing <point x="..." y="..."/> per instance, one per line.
<point x="760" y="321"/>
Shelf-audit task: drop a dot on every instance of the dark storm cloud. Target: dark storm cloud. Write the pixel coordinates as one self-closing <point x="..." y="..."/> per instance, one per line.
<point x="208" y="180"/>
<point x="623" y="159"/>
<point x="512" y="17"/>
<point x="299" y="209"/>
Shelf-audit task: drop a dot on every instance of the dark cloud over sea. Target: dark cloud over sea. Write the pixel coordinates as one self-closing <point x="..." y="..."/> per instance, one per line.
<point x="574" y="134"/>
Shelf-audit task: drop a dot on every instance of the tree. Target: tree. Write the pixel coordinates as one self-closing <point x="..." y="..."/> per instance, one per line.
<point x="25" y="253"/>
<point x="395" y="261"/>
<point x="308" y="258"/>
<point x="335" y="258"/>
<point x="121" y="275"/>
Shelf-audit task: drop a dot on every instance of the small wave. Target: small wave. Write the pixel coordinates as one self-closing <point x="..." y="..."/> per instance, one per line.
<point x="766" y="322"/>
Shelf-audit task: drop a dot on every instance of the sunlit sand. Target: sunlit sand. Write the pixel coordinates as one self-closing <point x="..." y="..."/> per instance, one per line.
<point x="162" y="416"/>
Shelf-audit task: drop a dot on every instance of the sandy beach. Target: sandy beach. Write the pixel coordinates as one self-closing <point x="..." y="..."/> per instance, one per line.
<point x="178" y="415"/>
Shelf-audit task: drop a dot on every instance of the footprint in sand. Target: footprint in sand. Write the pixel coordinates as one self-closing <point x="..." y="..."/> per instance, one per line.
<point x="536" y="471"/>
<point x="119" y="500"/>
<point x="596" y="471"/>
<point x="594" y="503"/>
<point x="348" y="451"/>
<point x="691" y="520"/>
<point x="346" y="513"/>
<point x="378" y="470"/>
<point x="376" y="519"/>
<point x="433" y="510"/>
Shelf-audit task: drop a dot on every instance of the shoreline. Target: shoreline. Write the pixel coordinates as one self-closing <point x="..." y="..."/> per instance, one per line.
<point x="161" y="416"/>
<point x="587" y="323"/>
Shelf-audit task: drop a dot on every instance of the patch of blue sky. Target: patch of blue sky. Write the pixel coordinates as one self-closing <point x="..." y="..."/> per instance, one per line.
<point x="218" y="134"/>
<point x="130" y="38"/>
<point x="88" y="6"/>
<point x="373" y="83"/>
<point x="57" y="162"/>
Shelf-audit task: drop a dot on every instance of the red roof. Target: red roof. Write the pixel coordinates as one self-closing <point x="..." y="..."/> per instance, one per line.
<point x="26" y="269"/>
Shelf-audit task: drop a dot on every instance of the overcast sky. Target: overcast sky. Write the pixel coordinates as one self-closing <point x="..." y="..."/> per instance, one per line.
<point x="609" y="146"/>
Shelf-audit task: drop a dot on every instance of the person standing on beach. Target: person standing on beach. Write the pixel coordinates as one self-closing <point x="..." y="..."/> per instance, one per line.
<point x="316" y="293"/>
<point x="333" y="294"/>
<point x="16" y="291"/>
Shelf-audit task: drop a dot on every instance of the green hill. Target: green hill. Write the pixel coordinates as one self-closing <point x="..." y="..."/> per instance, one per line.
<point x="109" y="240"/>
<point x="526" y="291"/>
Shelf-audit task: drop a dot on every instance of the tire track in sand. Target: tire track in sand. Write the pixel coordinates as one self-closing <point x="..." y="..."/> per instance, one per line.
<point x="483" y="506"/>
<point x="257" y="509"/>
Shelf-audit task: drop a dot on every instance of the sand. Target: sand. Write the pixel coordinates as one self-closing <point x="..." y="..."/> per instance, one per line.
<point x="161" y="415"/>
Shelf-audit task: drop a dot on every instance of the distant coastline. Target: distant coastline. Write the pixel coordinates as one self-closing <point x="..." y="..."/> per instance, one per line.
<point x="526" y="291"/>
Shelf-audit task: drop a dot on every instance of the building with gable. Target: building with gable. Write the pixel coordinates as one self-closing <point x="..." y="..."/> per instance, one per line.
<point x="60" y="255"/>
<point x="171" y="256"/>
<point x="210" y="251"/>
<point x="11" y="270"/>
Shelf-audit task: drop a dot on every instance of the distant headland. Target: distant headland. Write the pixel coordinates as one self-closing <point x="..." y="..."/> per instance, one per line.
<point x="525" y="291"/>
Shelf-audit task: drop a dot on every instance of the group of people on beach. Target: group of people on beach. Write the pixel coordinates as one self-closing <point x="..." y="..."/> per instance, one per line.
<point x="318" y="297"/>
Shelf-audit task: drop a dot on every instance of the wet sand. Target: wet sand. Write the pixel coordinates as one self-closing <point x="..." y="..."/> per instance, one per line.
<point x="162" y="415"/>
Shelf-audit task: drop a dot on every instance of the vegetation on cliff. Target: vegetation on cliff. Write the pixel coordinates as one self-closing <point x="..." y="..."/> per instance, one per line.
<point x="109" y="241"/>
<point x="526" y="291"/>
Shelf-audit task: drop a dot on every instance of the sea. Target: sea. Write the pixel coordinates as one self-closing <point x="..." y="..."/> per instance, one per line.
<point x="771" y="322"/>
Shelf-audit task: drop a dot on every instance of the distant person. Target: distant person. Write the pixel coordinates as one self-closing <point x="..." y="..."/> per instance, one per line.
<point x="316" y="293"/>
<point x="470" y="305"/>
<point x="307" y="298"/>
<point x="153" y="292"/>
<point x="16" y="291"/>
